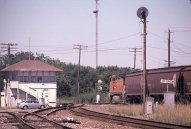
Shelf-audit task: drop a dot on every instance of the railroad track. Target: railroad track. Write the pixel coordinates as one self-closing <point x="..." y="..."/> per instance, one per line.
<point x="109" y="103"/>
<point x="38" y="121"/>
<point x="48" y="111"/>
<point x="39" y="118"/>
<point x="126" y="120"/>
<point x="11" y="120"/>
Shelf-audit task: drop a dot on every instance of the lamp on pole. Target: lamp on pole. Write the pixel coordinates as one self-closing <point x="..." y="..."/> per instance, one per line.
<point x="96" y="14"/>
<point x="142" y="13"/>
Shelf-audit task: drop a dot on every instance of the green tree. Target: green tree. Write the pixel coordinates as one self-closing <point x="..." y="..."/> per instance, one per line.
<point x="67" y="79"/>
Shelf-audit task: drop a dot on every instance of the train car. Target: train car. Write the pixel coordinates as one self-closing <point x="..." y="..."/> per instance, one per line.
<point x="116" y="87"/>
<point x="181" y="75"/>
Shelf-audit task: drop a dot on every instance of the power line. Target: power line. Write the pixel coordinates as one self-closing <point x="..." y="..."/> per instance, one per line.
<point x="90" y="46"/>
<point x="182" y="27"/>
<point x="69" y="51"/>
<point x="156" y="35"/>
<point x="182" y="44"/>
<point x="182" y="30"/>
<point x="180" y="51"/>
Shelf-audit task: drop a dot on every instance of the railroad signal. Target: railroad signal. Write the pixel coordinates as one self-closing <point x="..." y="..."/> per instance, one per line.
<point x="99" y="86"/>
<point x="142" y="13"/>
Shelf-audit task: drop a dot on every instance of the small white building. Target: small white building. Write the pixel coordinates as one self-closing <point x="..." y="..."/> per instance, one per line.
<point x="29" y="79"/>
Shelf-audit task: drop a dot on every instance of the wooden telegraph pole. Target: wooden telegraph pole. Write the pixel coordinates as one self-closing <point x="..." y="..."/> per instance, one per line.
<point x="135" y="50"/>
<point x="79" y="47"/>
<point x="8" y="47"/>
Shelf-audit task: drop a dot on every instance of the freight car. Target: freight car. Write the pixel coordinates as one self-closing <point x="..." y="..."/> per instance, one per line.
<point x="130" y="87"/>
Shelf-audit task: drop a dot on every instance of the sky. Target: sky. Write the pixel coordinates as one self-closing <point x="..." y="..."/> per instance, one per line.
<point x="53" y="27"/>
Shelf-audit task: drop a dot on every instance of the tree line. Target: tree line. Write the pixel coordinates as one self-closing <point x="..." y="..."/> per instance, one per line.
<point x="67" y="79"/>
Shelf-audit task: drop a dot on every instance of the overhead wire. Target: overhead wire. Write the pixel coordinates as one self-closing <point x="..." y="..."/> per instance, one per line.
<point x="114" y="40"/>
<point x="71" y="51"/>
<point x="176" y="50"/>
<point x="55" y="51"/>
<point x="182" y="30"/>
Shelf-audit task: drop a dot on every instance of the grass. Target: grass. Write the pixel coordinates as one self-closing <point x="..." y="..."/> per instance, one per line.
<point x="65" y="100"/>
<point x="84" y="98"/>
<point x="180" y="114"/>
<point x="130" y="110"/>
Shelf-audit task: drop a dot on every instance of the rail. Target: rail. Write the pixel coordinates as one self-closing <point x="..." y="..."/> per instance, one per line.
<point x="127" y="120"/>
<point x="19" y="120"/>
<point x="43" y="115"/>
<point x="44" y="122"/>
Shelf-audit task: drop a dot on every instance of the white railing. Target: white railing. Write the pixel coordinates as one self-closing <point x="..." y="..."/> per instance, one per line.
<point x="29" y="90"/>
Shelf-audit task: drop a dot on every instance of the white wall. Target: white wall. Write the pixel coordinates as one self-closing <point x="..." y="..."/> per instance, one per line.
<point x="52" y="97"/>
<point x="38" y="90"/>
<point x="2" y="99"/>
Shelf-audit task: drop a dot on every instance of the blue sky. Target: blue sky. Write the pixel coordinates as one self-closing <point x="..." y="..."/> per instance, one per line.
<point x="54" y="26"/>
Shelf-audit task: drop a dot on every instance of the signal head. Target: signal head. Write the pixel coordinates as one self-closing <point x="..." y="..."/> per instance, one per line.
<point x="142" y="12"/>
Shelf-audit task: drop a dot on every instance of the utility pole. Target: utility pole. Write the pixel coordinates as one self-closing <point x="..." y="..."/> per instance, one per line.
<point x="135" y="50"/>
<point x="29" y="48"/>
<point x="96" y="14"/>
<point x="169" y="48"/>
<point x="79" y="47"/>
<point x="8" y="47"/>
<point x="169" y="62"/>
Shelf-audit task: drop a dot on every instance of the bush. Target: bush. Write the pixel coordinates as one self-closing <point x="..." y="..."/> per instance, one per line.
<point x="87" y="97"/>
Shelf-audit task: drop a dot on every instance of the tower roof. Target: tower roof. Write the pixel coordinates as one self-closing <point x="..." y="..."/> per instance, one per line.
<point x="31" y="65"/>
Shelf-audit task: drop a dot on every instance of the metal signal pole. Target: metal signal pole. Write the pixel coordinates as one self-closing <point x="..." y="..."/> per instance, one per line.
<point x="96" y="14"/>
<point x="142" y="13"/>
<point x="79" y="47"/>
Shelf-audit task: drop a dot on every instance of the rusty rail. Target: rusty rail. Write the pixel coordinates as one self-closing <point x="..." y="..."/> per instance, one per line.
<point x="127" y="120"/>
